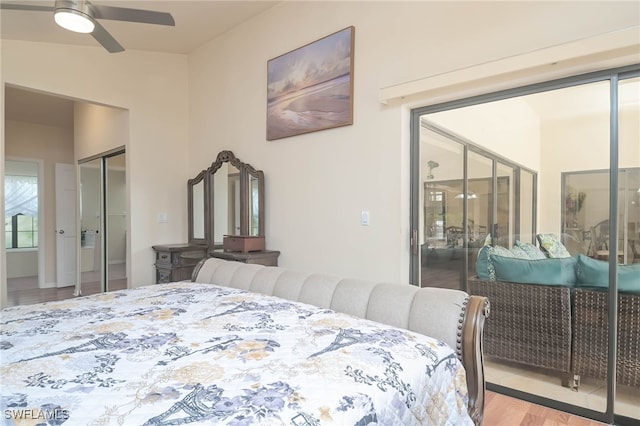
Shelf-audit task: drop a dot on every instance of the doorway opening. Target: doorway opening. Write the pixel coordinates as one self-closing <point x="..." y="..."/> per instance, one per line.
<point x="50" y="130"/>
<point x="24" y="212"/>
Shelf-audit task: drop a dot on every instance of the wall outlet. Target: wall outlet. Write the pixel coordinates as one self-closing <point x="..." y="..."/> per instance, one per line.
<point x="163" y="217"/>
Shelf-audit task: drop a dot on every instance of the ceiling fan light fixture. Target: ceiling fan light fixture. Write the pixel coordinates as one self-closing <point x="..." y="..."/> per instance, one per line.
<point x="74" y="20"/>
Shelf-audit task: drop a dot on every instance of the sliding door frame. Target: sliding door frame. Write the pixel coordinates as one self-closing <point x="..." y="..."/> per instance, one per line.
<point x="104" y="206"/>
<point x="467" y="146"/>
<point x="613" y="76"/>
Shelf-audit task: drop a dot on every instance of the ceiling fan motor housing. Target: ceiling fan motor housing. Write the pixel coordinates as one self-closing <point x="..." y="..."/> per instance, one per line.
<point x="80" y="6"/>
<point x="82" y="17"/>
<point x="79" y="11"/>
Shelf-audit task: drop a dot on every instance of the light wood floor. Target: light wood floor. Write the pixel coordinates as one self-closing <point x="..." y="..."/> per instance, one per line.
<point x="25" y="291"/>
<point x="502" y="410"/>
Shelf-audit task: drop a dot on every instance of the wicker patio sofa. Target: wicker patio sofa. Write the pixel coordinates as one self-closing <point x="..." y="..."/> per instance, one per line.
<point x="529" y="324"/>
<point x="560" y="323"/>
<point x="591" y="334"/>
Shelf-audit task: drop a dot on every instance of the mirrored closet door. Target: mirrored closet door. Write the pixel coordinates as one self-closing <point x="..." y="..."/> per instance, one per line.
<point x="103" y="226"/>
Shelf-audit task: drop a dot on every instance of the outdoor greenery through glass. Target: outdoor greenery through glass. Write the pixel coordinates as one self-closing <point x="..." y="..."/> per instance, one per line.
<point x="25" y="228"/>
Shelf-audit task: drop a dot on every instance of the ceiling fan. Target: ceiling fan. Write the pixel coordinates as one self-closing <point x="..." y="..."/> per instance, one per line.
<point x="81" y="16"/>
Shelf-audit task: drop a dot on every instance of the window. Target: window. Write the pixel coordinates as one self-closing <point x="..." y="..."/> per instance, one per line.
<point x="21" y="204"/>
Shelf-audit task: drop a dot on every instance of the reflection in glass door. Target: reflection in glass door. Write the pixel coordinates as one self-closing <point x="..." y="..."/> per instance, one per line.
<point x="465" y="195"/>
<point x="116" y="222"/>
<point x="480" y="216"/>
<point x="441" y="233"/>
<point x="103" y="226"/>
<point x="91" y="265"/>
<point x="505" y="205"/>
<point x="526" y="204"/>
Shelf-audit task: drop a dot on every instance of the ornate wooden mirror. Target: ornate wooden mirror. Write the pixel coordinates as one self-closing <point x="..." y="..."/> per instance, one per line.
<point x="198" y="208"/>
<point x="236" y="199"/>
<point x="255" y="201"/>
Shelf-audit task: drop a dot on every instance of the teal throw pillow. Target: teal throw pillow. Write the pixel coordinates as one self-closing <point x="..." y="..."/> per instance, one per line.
<point x="501" y="251"/>
<point x="484" y="268"/>
<point x="557" y="271"/>
<point x="482" y="260"/>
<point x="552" y="246"/>
<point x="533" y="251"/>
<point x="517" y="252"/>
<point x="496" y="251"/>
<point x="482" y="263"/>
<point x="592" y="273"/>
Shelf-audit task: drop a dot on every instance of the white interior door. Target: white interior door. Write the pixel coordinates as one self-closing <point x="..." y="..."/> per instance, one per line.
<point x="66" y="241"/>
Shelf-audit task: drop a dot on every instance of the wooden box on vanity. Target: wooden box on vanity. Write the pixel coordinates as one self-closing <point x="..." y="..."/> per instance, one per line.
<point x="243" y="243"/>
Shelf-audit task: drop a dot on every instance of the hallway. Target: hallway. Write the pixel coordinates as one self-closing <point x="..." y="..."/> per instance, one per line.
<point x="25" y="291"/>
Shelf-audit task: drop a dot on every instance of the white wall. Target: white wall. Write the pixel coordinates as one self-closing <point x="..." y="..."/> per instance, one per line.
<point x="317" y="184"/>
<point x="24" y="263"/>
<point x="99" y="129"/>
<point x="153" y="88"/>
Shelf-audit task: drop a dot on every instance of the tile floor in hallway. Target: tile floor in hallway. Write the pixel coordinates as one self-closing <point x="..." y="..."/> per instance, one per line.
<point x="591" y="393"/>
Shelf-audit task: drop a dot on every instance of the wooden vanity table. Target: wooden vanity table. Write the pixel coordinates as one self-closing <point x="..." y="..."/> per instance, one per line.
<point x="225" y="200"/>
<point x="175" y="262"/>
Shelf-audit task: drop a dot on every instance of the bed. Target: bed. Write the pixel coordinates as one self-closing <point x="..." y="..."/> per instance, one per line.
<point x="213" y="353"/>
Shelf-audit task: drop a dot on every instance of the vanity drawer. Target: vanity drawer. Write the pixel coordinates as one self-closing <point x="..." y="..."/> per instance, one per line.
<point x="179" y="258"/>
<point x="163" y="257"/>
<point x="163" y="275"/>
<point x="175" y="262"/>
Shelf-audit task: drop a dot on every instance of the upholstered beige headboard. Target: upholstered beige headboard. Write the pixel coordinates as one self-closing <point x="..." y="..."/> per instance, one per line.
<point x="448" y="315"/>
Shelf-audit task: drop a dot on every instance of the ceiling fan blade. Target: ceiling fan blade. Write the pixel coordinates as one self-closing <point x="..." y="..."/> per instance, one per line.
<point x="105" y="39"/>
<point x="10" y="6"/>
<point x="132" y="15"/>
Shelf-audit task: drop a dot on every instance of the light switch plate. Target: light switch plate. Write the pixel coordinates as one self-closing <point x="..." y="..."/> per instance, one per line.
<point x="163" y="217"/>
<point x="365" y="218"/>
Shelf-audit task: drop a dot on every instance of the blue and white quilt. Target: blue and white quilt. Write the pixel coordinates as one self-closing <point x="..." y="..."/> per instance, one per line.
<point x="183" y="353"/>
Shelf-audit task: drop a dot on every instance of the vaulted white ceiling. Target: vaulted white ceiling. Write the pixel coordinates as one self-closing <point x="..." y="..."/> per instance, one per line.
<point x="197" y="22"/>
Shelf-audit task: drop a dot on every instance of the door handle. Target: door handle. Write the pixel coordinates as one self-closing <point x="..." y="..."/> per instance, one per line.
<point x="61" y="231"/>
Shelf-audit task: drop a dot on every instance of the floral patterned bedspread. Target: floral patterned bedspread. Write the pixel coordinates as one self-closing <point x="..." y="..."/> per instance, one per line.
<point x="184" y="353"/>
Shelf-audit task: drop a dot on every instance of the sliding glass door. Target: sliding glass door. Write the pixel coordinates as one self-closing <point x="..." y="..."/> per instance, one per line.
<point x="91" y="230"/>
<point x="551" y="168"/>
<point x="627" y="389"/>
<point x="103" y="213"/>
<point x="116" y="221"/>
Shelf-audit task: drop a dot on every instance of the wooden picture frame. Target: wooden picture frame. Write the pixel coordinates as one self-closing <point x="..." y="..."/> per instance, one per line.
<point x="311" y="88"/>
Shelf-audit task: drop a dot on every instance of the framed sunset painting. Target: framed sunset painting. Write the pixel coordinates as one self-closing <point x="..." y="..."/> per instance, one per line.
<point x="311" y="88"/>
